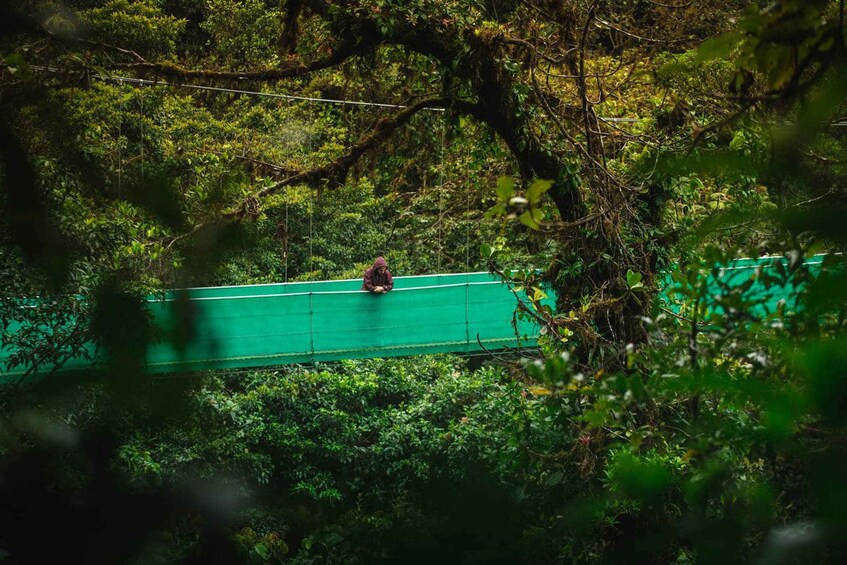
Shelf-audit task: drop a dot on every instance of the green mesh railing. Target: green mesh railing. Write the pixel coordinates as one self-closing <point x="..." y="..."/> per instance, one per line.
<point x="323" y="321"/>
<point x="275" y="324"/>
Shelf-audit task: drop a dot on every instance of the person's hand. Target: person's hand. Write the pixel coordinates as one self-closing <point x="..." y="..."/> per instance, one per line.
<point x="379" y="290"/>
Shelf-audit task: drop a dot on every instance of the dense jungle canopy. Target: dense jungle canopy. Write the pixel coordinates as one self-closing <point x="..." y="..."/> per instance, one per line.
<point x="606" y="150"/>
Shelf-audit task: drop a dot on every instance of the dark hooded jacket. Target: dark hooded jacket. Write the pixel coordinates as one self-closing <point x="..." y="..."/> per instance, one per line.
<point x="374" y="279"/>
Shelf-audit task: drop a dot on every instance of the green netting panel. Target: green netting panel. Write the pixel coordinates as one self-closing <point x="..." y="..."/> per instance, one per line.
<point x="272" y="324"/>
<point x="747" y="272"/>
<point x="260" y="325"/>
<point x="233" y="331"/>
<point x="301" y="322"/>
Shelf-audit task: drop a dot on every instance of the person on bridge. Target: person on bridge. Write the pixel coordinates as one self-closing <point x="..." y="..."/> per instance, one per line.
<point x="378" y="278"/>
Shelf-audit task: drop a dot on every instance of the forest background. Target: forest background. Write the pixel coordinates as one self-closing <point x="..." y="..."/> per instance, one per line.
<point x="605" y="149"/>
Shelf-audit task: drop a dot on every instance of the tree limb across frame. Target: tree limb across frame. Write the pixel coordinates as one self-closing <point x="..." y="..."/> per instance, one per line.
<point x="490" y="85"/>
<point x="333" y="173"/>
<point x="347" y="49"/>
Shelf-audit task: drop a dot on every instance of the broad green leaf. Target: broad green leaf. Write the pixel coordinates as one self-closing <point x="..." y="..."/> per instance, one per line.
<point x="718" y="47"/>
<point x="485" y="250"/>
<point x="633" y="280"/>
<point x="527" y="220"/>
<point x="537" y="189"/>
<point x="537" y="215"/>
<point x="505" y="188"/>
<point x="497" y="210"/>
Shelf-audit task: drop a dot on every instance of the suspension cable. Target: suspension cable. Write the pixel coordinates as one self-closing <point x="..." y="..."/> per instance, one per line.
<point x="149" y="82"/>
<point x="311" y="124"/>
<point x="441" y="189"/>
<point x="141" y="97"/>
<point x="311" y="282"/>
<point x="467" y="264"/>
<point x="286" y="233"/>
<point x="120" y="136"/>
<point x="311" y="199"/>
<point x="285" y="241"/>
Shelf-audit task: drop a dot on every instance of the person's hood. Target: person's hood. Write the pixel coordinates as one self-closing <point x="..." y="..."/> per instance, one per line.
<point x="380" y="262"/>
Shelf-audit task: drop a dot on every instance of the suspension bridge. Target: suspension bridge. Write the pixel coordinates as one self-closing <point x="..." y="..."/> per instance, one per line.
<point x="304" y="322"/>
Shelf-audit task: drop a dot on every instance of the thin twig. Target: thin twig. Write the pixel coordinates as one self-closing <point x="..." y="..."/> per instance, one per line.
<point x="635" y="36"/>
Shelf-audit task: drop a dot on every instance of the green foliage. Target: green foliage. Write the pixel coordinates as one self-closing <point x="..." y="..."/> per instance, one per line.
<point x="710" y="421"/>
<point x="260" y="549"/>
<point x="240" y="31"/>
<point x="715" y="434"/>
<point x="527" y="210"/>
<point x="138" y="25"/>
<point x="361" y="441"/>
<point x="633" y="280"/>
<point x="333" y="435"/>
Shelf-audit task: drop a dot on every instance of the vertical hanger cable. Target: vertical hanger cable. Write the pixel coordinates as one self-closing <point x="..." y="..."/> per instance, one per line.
<point x="120" y="135"/>
<point x="467" y="265"/>
<point x="441" y="191"/>
<point x="141" y="98"/>
<point x="286" y="232"/>
<point x="311" y="255"/>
